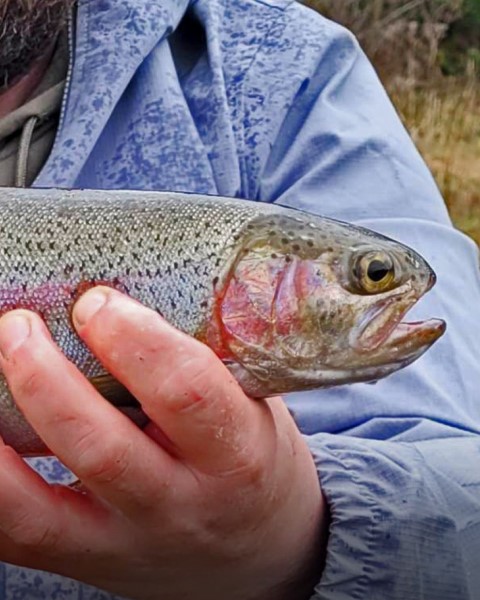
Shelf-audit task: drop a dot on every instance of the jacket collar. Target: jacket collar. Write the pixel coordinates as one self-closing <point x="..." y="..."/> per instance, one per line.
<point x="110" y="40"/>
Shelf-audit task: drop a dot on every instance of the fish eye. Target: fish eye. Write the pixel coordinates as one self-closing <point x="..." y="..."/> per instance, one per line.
<point x="374" y="272"/>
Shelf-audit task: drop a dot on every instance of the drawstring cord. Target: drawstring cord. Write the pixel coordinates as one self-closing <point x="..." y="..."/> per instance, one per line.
<point x="23" y="152"/>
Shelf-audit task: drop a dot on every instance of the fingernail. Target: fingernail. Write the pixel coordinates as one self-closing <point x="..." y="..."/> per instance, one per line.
<point x="90" y="303"/>
<point x="15" y="328"/>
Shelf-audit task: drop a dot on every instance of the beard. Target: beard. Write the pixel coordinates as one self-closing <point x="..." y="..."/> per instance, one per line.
<point x="28" y="29"/>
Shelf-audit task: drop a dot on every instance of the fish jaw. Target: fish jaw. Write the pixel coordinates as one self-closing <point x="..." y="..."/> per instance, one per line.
<point x="406" y="344"/>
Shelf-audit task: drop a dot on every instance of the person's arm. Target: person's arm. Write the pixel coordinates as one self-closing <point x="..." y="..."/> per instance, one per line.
<point x="398" y="461"/>
<point x="405" y="518"/>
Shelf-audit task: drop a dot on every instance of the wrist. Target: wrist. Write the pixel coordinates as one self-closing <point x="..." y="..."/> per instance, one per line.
<point x="302" y="563"/>
<point x="301" y="583"/>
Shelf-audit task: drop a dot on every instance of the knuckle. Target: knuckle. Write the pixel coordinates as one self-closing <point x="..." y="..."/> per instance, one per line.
<point x="249" y="468"/>
<point x="188" y="387"/>
<point x="32" y="533"/>
<point x="29" y="385"/>
<point x="104" y="463"/>
<point x="32" y="375"/>
<point x="197" y="373"/>
<point x="254" y="470"/>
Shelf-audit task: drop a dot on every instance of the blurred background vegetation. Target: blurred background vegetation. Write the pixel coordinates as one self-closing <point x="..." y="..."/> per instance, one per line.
<point x="427" y="53"/>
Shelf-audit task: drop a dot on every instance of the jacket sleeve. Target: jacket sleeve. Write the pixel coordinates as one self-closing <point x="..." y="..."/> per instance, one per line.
<point x="405" y="518"/>
<point x="399" y="462"/>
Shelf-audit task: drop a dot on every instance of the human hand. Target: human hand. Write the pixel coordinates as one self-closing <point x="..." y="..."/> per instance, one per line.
<point x="218" y="497"/>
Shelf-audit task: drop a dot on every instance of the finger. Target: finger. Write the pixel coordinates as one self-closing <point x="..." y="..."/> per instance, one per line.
<point x="99" y="444"/>
<point x="39" y="522"/>
<point x="182" y="386"/>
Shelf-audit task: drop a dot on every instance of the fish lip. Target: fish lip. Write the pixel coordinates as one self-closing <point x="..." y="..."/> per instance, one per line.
<point x="415" y="334"/>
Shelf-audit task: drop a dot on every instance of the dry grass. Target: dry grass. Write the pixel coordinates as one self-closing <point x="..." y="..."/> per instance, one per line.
<point x="403" y="40"/>
<point x="401" y="37"/>
<point x="444" y="121"/>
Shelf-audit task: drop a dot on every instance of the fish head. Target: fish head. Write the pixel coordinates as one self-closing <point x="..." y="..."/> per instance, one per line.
<point x="311" y="302"/>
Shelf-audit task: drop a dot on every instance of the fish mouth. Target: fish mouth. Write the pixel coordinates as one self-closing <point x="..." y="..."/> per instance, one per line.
<point x="384" y="333"/>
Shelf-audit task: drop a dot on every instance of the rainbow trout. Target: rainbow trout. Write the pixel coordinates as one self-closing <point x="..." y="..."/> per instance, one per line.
<point x="289" y="301"/>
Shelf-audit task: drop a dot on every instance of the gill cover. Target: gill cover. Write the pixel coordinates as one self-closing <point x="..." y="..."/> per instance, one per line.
<point x="262" y="327"/>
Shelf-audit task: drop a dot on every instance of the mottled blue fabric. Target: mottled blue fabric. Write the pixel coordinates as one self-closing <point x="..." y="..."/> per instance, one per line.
<point x="265" y="99"/>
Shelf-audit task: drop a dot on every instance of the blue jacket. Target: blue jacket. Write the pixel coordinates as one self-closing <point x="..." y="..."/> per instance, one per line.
<point x="265" y="99"/>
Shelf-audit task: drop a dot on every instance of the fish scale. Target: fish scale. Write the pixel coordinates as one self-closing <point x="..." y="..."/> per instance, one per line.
<point x="212" y="267"/>
<point x="165" y="258"/>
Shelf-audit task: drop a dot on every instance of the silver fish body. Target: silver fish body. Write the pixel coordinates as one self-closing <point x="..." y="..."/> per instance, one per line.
<point x="287" y="300"/>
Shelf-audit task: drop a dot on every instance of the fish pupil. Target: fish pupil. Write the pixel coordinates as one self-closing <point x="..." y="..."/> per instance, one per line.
<point x="378" y="270"/>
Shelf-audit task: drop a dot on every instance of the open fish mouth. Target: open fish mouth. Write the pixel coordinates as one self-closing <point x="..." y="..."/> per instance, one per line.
<point x="384" y="333"/>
